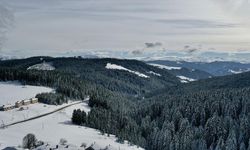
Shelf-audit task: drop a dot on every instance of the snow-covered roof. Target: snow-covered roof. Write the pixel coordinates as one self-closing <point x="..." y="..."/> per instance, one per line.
<point x="26" y="100"/>
<point x="7" y="106"/>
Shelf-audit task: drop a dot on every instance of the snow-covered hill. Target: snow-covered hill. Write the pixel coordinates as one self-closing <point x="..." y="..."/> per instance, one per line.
<point x="186" y="74"/>
<point x="216" y="68"/>
<point x="118" y="67"/>
<point x="42" y="66"/>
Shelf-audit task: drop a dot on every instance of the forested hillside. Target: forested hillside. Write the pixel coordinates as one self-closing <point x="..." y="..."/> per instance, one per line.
<point x="179" y="118"/>
<point x="216" y="68"/>
<point x="157" y="113"/>
<point x="94" y="72"/>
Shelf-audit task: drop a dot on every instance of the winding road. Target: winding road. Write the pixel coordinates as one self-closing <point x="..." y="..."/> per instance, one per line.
<point x="43" y="115"/>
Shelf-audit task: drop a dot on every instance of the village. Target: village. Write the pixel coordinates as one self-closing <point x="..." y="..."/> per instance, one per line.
<point x="19" y="104"/>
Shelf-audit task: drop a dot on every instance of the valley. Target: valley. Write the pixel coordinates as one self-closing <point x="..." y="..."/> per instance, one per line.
<point x="124" y="75"/>
<point x="130" y="103"/>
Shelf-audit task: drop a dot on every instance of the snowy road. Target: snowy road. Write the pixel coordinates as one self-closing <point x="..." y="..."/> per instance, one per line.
<point x="43" y="115"/>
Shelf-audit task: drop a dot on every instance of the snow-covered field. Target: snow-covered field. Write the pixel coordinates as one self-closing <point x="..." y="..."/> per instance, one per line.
<point x="165" y="67"/>
<point x="118" y="67"/>
<point x="51" y="128"/>
<point x="42" y="66"/>
<point x="10" y="92"/>
<point x="56" y="126"/>
<point x="7" y="117"/>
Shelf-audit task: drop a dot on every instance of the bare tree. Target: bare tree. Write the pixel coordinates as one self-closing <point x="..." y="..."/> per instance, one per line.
<point x="6" y="22"/>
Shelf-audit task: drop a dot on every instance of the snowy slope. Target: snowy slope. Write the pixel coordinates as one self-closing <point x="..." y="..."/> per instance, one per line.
<point x="238" y="71"/>
<point x="184" y="79"/>
<point x="42" y="66"/>
<point x="118" y="67"/>
<point x="10" y="92"/>
<point x="29" y="111"/>
<point x="49" y="129"/>
<point x="56" y="126"/>
<point x="154" y="73"/>
<point x="165" y="67"/>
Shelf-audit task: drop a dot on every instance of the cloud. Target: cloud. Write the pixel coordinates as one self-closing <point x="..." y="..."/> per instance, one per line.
<point x="196" y="23"/>
<point x="186" y="47"/>
<point x="6" y="22"/>
<point x="192" y="50"/>
<point x="239" y="8"/>
<point x="137" y="52"/>
<point x="153" y="45"/>
<point x="148" y="46"/>
<point x="113" y="25"/>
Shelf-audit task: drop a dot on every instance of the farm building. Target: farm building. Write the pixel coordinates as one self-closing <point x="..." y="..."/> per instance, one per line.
<point x="19" y="104"/>
<point x="26" y="102"/>
<point x="34" y="100"/>
<point x="7" y="107"/>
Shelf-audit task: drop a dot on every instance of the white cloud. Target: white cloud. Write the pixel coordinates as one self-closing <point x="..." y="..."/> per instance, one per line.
<point x="62" y="25"/>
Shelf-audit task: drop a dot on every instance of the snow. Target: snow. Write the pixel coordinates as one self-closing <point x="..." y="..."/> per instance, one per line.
<point x="42" y="66"/>
<point x="235" y="72"/>
<point x="118" y="67"/>
<point x="165" y="67"/>
<point x="156" y="74"/>
<point x="53" y="127"/>
<point x="31" y="110"/>
<point x="185" y="79"/>
<point x="11" y="92"/>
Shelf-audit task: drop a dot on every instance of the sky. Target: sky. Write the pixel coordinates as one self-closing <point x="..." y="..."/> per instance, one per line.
<point x="46" y="27"/>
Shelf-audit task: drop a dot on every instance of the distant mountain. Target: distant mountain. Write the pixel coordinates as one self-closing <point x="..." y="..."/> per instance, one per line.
<point x="217" y="68"/>
<point x="241" y="80"/>
<point x="235" y="81"/>
<point x="179" y="71"/>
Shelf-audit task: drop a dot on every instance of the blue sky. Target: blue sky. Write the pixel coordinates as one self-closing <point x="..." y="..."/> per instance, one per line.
<point x="43" y="27"/>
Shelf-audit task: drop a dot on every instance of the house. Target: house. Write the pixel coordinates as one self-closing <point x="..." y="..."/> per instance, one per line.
<point x="18" y="104"/>
<point x="34" y="100"/>
<point x="7" y="107"/>
<point x="26" y="102"/>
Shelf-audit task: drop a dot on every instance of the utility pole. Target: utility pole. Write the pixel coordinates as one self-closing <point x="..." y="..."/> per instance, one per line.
<point x="2" y="125"/>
